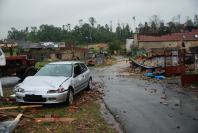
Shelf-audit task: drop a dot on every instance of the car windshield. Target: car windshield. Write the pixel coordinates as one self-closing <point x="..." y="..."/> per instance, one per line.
<point x="56" y="70"/>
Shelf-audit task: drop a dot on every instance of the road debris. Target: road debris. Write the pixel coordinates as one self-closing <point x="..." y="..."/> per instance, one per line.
<point x="152" y="90"/>
<point x="164" y="103"/>
<point x="164" y="96"/>
<point x="177" y="102"/>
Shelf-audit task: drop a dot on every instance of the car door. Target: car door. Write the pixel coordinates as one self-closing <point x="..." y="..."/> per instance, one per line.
<point x="78" y="78"/>
<point x="85" y="75"/>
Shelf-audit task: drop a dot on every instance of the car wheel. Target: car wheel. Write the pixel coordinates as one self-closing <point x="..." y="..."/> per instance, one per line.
<point x="90" y="85"/>
<point x="70" y="98"/>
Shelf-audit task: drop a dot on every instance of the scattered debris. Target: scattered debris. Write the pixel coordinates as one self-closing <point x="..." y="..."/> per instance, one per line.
<point x="163" y="96"/>
<point x="151" y="90"/>
<point x="21" y="107"/>
<point x="164" y="103"/>
<point x="117" y="116"/>
<point x="12" y="114"/>
<point x="73" y="108"/>
<point x="177" y="102"/>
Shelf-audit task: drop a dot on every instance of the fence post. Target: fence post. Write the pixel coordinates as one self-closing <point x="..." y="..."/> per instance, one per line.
<point x="1" y="90"/>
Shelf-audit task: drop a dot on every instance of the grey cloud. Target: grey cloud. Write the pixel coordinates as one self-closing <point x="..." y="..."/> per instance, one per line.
<point x="22" y="13"/>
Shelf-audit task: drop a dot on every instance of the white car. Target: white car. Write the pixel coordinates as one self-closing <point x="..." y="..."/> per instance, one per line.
<point x="54" y="83"/>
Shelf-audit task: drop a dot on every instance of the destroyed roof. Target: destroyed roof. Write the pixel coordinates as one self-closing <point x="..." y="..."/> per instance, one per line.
<point x="32" y="46"/>
<point x="184" y="36"/>
<point x="41" y="45"/>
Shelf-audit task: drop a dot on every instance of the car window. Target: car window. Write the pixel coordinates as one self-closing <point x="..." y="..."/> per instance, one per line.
<point x="1" y="52"/>
<point x="77" y="69"/>
<point x="83" y="67"/>
<point x="56" y="70"/>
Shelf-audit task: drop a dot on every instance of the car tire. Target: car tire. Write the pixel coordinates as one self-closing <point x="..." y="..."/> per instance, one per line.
<point x="70" y="97"/>
<point x="90" y="85"/>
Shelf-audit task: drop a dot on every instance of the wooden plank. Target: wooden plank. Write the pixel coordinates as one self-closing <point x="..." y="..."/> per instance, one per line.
<point x="13" y="114"/>
<point x="22" y="107"/>
<point x="64" y="119"/>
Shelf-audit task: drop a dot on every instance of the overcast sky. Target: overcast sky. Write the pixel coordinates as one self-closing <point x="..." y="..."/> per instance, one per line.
<point x="26" y="13"/>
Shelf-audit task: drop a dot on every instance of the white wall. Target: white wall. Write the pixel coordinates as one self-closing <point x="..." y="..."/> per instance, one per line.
<point x="129" y="43"/>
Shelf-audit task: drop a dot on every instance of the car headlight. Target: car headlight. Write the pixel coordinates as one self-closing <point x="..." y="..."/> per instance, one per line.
<point x="59" y="90"/>
<point x="19" y="89"/>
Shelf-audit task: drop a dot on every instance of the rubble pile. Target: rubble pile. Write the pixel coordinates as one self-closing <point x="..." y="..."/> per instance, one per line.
<point x="137" y="73"/>
<point x="85" y="97"/>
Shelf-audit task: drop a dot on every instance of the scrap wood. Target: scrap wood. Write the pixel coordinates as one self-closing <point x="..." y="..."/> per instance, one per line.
<point x="22" y="107"/>
<point x="64" y="119"/>
<point x="14" y="114"/>
<point x="73" y="108"/>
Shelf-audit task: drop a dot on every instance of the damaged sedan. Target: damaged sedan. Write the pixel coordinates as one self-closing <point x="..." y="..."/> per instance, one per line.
<point x="54" y="83"/>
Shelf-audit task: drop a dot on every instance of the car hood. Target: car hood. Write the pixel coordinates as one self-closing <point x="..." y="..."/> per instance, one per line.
<point x="42" y="83"/>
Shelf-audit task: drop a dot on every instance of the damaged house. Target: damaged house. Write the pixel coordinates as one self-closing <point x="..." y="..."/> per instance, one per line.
<point x="176" y="53"/>
<point x="49" y="51"/>
<point x="156" y="44"/>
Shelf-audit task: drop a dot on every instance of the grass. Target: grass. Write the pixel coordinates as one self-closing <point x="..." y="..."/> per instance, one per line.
<point x="88" y="117"/>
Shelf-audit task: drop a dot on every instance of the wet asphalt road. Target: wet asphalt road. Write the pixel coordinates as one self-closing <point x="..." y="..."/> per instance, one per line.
<point x="140" y="111"/>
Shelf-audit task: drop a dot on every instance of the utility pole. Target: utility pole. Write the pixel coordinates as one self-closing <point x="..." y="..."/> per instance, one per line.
<point x="134" y="23"/>
<point x="111" y="27"/>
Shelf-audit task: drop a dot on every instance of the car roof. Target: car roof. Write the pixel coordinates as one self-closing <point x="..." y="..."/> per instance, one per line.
<point x="66" y="62"/>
